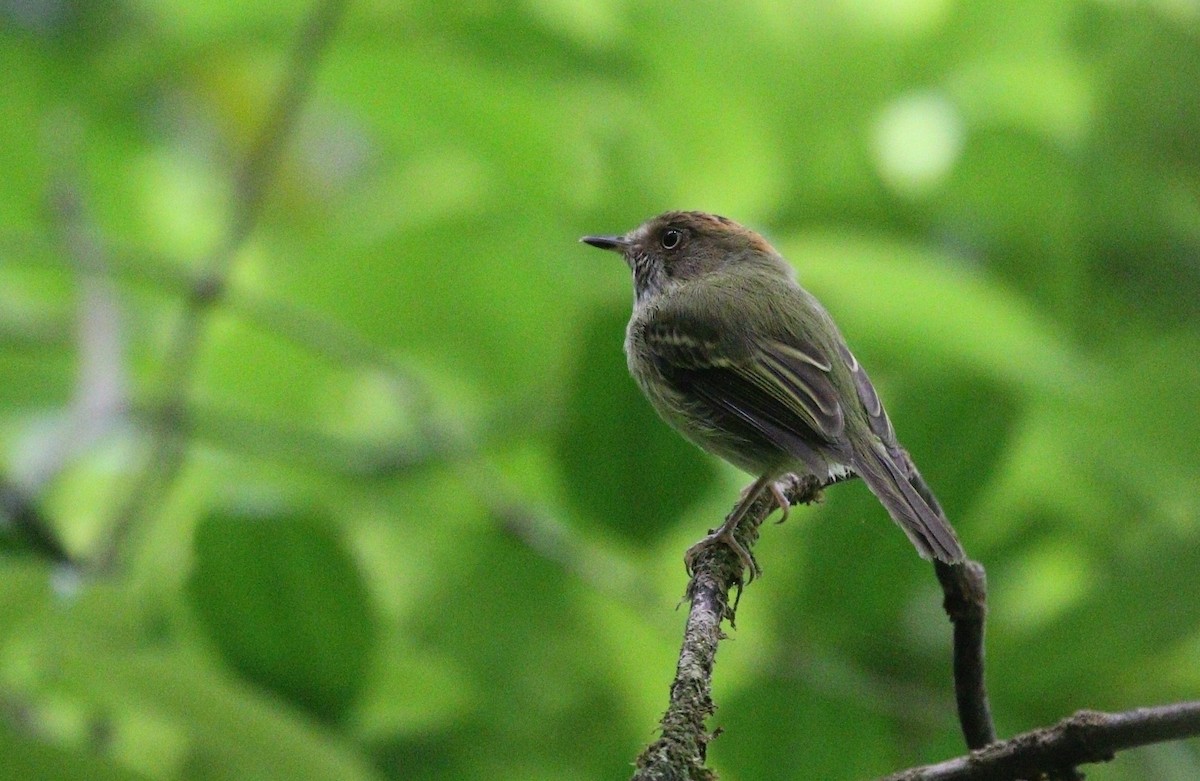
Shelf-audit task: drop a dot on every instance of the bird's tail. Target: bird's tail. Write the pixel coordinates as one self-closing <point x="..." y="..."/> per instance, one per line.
<point x="893" y="478"/>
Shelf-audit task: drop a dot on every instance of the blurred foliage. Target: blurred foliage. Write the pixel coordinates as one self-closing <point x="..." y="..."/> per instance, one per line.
<point x="388" y="505"/>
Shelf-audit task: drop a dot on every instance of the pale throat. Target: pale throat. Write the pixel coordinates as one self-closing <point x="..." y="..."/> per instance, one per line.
<point x="649" y="279"/>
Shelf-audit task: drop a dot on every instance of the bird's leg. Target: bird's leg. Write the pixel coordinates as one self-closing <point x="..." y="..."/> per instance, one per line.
<point x="780" y="500"/>
<point x="725" y="533"/>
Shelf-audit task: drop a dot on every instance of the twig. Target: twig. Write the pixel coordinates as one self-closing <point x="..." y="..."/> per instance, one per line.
<point x="1086" y="737"/>
<point x="912" y="706"/>
<point x="965" y="590"/>
<point x="565" y="548"/>
<point x="269" y="440"/>
<point x="167" y="449"/>
<point x="98" y="400"/>
<point x="680" y="752"/>
<point x="323" y="337"/>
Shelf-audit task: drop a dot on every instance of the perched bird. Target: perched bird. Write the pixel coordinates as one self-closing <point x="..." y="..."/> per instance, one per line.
<point x="749" y="366"/>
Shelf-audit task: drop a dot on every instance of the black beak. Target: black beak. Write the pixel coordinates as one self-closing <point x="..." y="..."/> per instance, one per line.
<point x="615" y="243"/>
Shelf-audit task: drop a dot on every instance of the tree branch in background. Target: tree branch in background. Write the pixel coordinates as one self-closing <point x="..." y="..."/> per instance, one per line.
<point x="167" y="448"/>
<point x="1086" y="737"/>
<point x="681" y="750"/>
<point x="98" y="400"/>
<point x="965" y="590"/>
<point x="554" y="541"/>
<point x="437" y="440"/>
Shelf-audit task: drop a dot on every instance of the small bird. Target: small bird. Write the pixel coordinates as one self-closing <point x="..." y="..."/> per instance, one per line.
<point x="746" y="364"/>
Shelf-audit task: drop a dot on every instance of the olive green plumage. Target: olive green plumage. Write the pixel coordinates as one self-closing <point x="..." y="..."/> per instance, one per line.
<point x="746" y="364"/>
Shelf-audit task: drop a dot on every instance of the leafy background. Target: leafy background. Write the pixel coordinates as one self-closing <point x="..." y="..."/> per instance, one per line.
<point x="342" y="446"/>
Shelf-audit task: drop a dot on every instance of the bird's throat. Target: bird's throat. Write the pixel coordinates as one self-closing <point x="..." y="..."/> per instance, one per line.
<point x="648" y="278"/>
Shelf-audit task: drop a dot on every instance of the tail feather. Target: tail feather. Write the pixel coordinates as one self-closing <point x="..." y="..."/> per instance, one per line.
<point x="895" y="481"/>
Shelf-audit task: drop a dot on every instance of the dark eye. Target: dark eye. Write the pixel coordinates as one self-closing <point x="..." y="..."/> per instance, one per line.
<point x="671" y="238"/>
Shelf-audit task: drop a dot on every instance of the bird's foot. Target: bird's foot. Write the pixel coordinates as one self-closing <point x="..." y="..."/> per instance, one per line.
<point x="750" y="492"/>
<point x="722" y="536"/>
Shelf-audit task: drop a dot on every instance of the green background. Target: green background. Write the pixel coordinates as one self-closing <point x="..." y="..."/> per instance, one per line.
<point x="389" y="506"/>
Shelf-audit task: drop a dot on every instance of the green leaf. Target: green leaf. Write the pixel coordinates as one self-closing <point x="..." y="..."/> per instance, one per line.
<point x="286" y="605"/>
<point x="624" y="467"/>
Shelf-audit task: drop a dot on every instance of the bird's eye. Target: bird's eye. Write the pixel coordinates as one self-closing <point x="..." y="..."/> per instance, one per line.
<point x="671" y="238"/>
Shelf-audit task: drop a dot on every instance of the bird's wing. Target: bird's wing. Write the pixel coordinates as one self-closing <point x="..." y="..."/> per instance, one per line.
<point x="779" y="391"/>
<point x="877" y="417"/>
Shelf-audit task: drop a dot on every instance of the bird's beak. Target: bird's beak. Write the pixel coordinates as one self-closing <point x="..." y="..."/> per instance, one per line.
<point x="614" y="243"/>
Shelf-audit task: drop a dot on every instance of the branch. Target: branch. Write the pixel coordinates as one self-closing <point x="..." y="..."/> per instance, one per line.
<point x="269" y="440"/>
<point x="965" y="590"/>
<point x="310" y="331"/>
<point x="556" y="542"/>
<point x="166" y="452"/>
<point x="98" y="401"/>
<point x="1086" y="737"/>
<point x="681" y="750"/>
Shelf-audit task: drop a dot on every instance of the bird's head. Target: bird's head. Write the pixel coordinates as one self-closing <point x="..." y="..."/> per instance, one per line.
<point x="681" y="246"/>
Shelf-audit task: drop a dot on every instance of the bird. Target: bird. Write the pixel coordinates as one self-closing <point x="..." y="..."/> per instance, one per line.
<point x="745" y="363"/>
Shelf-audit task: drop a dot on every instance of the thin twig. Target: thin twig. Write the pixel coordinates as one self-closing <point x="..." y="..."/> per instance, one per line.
<point x="318" y="334"/>
<point x="98" y="401"/>
<point x="1084" y="738"/>
<point x="681" y="750"/>
<point x="913" y="706"/>
<point x="269" y="440"/>
<point x="168" y="448"/>
<point x="546" y="536"/>
<point x="965" y="589"/>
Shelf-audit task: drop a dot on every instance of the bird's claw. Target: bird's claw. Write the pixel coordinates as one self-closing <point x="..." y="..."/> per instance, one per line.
<point x="784" y="505"/>
<point x="722" y="537"/>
